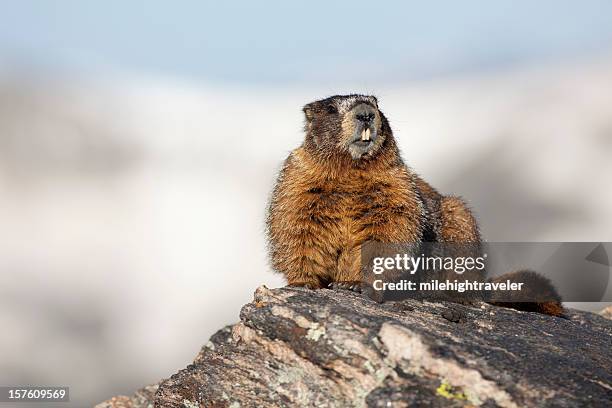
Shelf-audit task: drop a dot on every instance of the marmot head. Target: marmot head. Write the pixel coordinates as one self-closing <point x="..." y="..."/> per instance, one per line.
<point x="348" y="125"/>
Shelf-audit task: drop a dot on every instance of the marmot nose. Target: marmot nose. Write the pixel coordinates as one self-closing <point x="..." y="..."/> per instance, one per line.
<point x="364" y="113"/>
<point x="365" y="117"/>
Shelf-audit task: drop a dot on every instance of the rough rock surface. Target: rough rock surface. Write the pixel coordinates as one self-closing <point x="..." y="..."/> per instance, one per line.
<point x="142" y="398"/>
<point x="298" y="347"/>
<point x="607" y="312"/>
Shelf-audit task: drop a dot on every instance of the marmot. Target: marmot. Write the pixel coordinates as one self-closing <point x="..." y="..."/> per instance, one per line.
<point x="347" y="185"/>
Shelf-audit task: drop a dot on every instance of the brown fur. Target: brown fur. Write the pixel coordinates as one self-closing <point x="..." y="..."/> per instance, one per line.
<point x="327" y="202"/>
<point x="538" y="288"/>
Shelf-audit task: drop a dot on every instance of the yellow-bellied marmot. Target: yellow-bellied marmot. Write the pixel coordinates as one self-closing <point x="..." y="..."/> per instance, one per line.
<point x="347" y="185"/>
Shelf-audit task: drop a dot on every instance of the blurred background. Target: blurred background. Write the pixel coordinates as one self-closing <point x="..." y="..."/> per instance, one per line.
<point x="139" y="142"/>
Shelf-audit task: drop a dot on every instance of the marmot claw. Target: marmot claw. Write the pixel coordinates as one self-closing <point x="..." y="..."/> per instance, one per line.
<point x="353" y="286"/>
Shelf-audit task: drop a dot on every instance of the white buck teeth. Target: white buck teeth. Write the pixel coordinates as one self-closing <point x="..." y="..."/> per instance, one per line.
<point x="365" y="134"/>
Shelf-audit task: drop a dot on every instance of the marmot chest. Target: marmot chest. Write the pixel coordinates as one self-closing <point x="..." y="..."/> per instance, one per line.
<point x="353" y="210"/>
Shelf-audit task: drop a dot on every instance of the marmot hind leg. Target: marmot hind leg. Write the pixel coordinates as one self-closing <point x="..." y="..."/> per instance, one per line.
<point x="457" y="236"/>
<point x="456" y="222"/>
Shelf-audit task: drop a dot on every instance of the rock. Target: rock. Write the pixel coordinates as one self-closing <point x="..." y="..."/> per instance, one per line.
<point x="607" y="312"/>
<point x="143" y="398"/>
<point x="324" y="348"/>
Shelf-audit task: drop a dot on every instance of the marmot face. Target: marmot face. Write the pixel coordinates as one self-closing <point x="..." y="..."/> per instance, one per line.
<point x="345" y="124"/>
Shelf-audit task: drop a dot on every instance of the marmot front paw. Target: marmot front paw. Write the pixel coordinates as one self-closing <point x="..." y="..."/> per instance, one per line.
<point x="353" y="286"/>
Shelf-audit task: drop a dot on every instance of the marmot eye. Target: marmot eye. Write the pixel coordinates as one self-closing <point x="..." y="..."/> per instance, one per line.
<point x="331" y="109"/>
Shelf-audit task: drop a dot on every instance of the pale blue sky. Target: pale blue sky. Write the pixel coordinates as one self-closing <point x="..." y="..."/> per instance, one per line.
<point x="300" y="42"/>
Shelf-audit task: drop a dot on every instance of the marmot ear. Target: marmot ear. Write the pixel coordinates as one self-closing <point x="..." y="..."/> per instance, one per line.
<point x="308" y="112"/>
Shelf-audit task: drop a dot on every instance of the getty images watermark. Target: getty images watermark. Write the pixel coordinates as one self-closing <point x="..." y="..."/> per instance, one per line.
<point x="579" y="271"/>
<point x="459" y="265"/>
